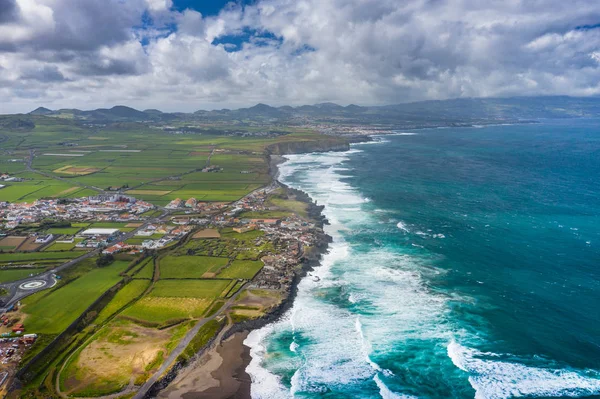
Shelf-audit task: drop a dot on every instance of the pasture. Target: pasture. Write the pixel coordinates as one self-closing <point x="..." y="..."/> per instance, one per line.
<point x="14" y="274"/>
<point x="50" y="312"/>
<point x="241" y="269"/>
<point x="190" y="266"/>
<point x="189" y="288"/>
<point x="131" y="291"/>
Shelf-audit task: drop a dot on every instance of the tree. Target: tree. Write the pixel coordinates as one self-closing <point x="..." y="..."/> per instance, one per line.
<point x="104" y="260"/>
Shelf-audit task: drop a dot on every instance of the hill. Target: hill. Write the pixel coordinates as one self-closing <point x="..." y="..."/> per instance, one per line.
<point x="435" y="112"/>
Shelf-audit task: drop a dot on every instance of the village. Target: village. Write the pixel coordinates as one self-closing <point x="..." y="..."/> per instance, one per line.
<point x="113" y="207"/>
<point x="291" y="233"/>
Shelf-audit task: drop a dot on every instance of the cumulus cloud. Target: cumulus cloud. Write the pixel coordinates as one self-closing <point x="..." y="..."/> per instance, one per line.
<point x="145" y="53"/>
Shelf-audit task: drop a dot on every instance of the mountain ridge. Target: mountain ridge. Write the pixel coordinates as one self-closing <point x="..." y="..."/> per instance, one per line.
<point x="459" y="109"/>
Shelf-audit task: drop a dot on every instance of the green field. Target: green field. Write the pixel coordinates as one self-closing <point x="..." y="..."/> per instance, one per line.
<point x="37" y="256"/>
<point x="242" y="269"/>
<point x="60" y="246"/>
<point x="50" y="312"/>
<point x="64" y="230"/>
<point x="146" y="270"/>
<point x="189" y="288"/>
<point x="18" y="274"/>
<point x="160" y="311"/>
<point x="190" y="266"/>
<point x="131" y="291"/>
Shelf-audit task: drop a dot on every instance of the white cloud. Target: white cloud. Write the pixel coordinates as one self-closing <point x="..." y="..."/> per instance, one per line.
<point x="299" y="51"/>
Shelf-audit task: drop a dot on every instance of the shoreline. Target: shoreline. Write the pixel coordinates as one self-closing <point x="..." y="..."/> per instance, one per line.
<point x="232" y="368"/>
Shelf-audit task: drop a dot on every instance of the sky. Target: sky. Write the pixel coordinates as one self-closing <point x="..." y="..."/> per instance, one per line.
<point x="185" y="55"/>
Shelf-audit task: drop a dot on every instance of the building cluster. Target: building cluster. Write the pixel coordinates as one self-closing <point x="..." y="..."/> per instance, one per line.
<point x="8" y="178"/>
<point x="98" y="208"/>
<point x="95" y="237"/>
<point x="193" y="205"/>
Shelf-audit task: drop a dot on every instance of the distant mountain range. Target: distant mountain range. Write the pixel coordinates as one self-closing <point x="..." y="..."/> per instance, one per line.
<point x="455" y="111"/>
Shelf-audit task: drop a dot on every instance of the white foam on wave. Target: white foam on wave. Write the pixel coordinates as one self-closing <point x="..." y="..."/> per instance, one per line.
<point x="338" y="348"/>
<point x="498" y="379"/>
<point x="387" y="393"/>
<point x="265" y="385"/>
<point x="402" y="226"/>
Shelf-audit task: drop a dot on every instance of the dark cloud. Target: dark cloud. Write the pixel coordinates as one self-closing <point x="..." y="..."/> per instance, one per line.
<point x="47" y="73"/>
<point x="9" y="11"/>
<point x="96" y="67"/>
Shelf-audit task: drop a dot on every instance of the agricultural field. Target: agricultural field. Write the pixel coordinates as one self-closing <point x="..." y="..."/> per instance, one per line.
<point x="50" y="312"/>
<point x="64" y="230"/>
<point x="11" y="243"/>
<point x="60" y="246"/>
<point x="189" y="288"/>
<point x="151" y="164"/>
<point x="146" y="270"/>
<point x="241" y="269"/>
<point x="173" y="301"/>
<point x="190" y="266"/>
<point x="131" y="291"/>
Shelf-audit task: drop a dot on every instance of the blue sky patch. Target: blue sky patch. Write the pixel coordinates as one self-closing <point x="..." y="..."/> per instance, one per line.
<point x="207" y="7"/>
<point x="234" y="43"/>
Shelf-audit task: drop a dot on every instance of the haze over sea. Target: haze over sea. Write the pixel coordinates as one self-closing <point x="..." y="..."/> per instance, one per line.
<point x="465" y="263"/>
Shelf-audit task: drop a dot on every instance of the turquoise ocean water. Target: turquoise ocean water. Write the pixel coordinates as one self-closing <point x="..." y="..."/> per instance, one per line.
<point x="465" y="264"/>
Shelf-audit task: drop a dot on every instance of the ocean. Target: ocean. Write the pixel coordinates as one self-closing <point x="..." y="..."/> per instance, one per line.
<point x="465" y="263"/>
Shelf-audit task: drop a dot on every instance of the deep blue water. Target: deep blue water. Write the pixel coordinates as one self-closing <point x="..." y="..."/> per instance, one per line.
<point x="465" y="263"/>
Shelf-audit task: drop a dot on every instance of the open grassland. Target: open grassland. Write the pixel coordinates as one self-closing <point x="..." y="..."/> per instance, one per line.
<point x="172" y="301"/>
<point x="189" y="288"/>
<point x="52" y="311"/>
<point x="145" y="270"/>
<point x="15" y="274"/>
<point x="64" y="230"/>
<point x="131" y="291"/>
<point x="163" y="311"/>
<point x="190" y="266"/>
<point x="60" y="246"/>
<point x="242" y="269"/>
<point x="36" y="256"/>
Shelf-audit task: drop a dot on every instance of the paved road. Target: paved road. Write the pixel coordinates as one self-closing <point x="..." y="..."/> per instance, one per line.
<point x="17" y="292"/>
<point x="50" y="175"/>
<point x="181" y="347"/>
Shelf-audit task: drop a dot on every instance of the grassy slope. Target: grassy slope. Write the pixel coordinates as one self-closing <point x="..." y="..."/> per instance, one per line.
<point x="52" y="312"/>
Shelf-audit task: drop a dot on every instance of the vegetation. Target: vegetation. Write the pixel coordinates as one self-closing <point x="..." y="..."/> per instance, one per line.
<point x="51" y="312"/>
<point x="189" y="288"/>
<point x="14" y="274"/>
<point x="190" y="266"/>
<point x="204" y="335"/>
<point x="243" y="269"/>
<point x="133" y="290"/>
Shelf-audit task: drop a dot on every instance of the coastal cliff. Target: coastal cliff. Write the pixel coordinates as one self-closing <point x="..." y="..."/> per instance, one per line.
<point x="326" y="143"/>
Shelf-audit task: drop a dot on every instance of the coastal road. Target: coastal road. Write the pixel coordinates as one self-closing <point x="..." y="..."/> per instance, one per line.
<point x="181" y="347"/>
